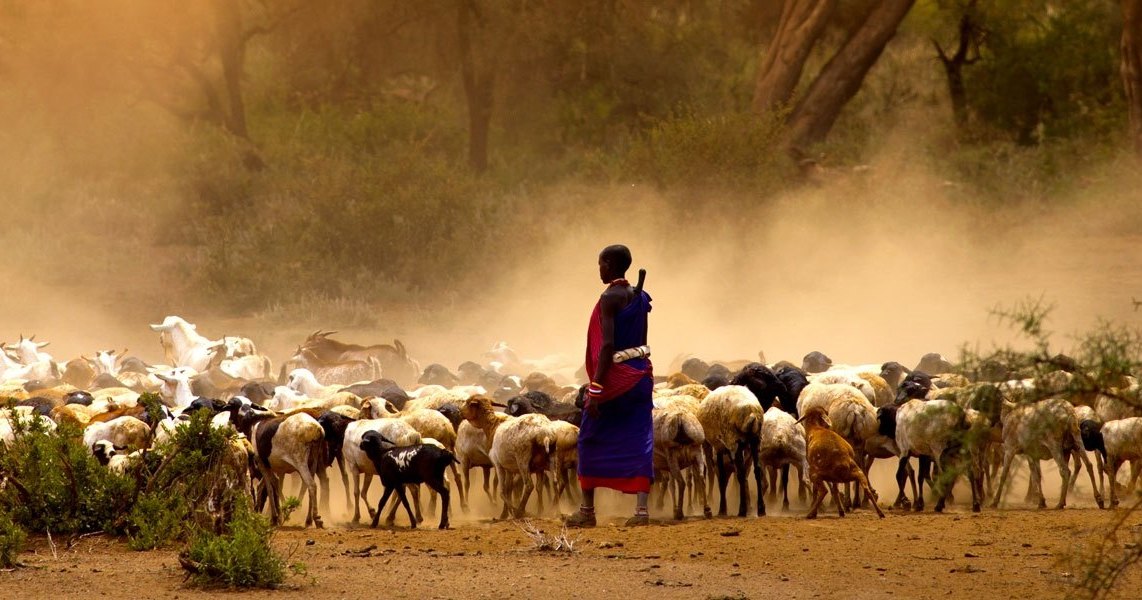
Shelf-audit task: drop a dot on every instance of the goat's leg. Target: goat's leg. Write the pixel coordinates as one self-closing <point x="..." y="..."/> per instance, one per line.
<point x="312" y="516"/>
<point x="456" y="477"/>
<point x="924" y="473"/>
<point x="404" y="501"/>
<point x="344" y="482"/>
<point x="743" y="482"/>
<point x="381" y="505"/>
<point x="1004" y="472"/>
<point x="1113" y="464"/>
<point x="1035" y="483"/>
<point x="356" y="477"/>
<point x="835" y="491"/>
<point x="464" y="480"/>
<point x="676" y="497"/>
<point x="819" y="492"/>
<point x="1090" y="473"/>
<point x="758" y="479"/>
<point x="442" y="488"/>
<point x="1064" y="473"/>
<point x="902" y="469"/>
<point x="528" y="487"/>
<point x="871" y="493"/>
<point x="784" y="487"/>
<point x="723" y="481"/>
<point x="506" y="485"/>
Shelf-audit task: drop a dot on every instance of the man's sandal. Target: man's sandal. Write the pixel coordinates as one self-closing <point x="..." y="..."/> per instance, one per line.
<point x="580" y="519"/>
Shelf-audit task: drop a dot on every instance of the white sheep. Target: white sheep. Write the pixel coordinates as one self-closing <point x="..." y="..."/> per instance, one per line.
<point x="521" y="446"/>
<point x="1123" y="440"/>
<point x="934" y="431"/>
<point x="125" y="432"/>
<point x="782" y="446"/>
<point x="1042" y="430"/>
<point x="678" y="440"/>
<point x="472" y="451"/>
<point x="566" y="458"/>
<point x="732" y="419"/>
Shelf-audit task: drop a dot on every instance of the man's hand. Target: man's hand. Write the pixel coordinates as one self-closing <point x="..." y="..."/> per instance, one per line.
<point x="594" y="391"/>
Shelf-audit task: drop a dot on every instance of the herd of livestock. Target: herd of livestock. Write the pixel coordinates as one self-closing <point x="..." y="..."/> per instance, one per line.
<point x="374" y="412"/>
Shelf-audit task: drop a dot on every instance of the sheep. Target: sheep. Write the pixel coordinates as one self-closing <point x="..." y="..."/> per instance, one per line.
<point x="732" y="420"/>
<point x="8" y="431"/>
<point x="816" y="362"/>
<point x="357" y="463"/>
<point x="933" y="430"/>
<point x="472" y="451"/>
<point x="113" y="458"/>
<point x="831" y="460"/>
<point x="284" y="444"/>
<point x="1123" y="442"/>
<point x="782" y="445"/>
<point x="694" y="390"/>
<point x="566" y="457"/>
<point x="401" y="466"/>
<point x="678" y="440"/>
<point x="438" y="374"/>
<point x="521" y="446"/>
<point x="1044" y="429"/>
<point x="126" y="432"/>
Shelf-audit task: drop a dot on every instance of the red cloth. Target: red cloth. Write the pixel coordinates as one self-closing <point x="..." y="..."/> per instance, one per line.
<point x="621" y="377"/>
<point x="626" y="485"/>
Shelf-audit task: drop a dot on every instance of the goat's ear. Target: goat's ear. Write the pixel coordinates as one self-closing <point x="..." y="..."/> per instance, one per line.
<point x="499" y="405"/>
<point x="798" y="421"/>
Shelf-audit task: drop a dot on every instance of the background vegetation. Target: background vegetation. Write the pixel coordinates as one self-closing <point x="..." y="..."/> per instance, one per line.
<point x="273" y="152"/>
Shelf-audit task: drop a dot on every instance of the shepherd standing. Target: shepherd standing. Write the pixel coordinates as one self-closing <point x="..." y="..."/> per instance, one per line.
<point x="616" y="439"/>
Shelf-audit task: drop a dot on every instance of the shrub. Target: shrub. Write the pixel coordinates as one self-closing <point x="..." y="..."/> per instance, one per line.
<point x="157" y="519"/>
<point x="56" y="485"/>
<point x="239" y="557"/>
<point x="12" y="540"/>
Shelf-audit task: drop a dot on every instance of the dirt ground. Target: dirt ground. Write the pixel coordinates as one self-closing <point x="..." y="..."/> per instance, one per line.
<point x="1007" y="553"/>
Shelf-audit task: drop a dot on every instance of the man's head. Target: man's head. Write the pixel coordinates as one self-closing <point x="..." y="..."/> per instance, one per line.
<point x="614" y="262"/>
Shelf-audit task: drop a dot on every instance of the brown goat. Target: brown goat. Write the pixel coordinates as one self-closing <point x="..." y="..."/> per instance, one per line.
<point x="832" y="461"/>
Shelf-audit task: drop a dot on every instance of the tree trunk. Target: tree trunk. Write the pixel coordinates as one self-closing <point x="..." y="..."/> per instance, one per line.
<point x="232" y="55"/>
<point x="954" y="66"/>
<point x="801" y="24"/>
<point x="478" y="86"/>
<point x="1132" y="67"/>
<point x="841" y="78"/>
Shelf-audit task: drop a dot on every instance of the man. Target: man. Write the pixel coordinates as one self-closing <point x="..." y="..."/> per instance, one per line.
<point x="616" y="439"/>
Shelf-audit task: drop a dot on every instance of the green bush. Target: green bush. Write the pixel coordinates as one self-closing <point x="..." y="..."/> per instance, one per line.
<point x="12" y="540"/>
<point x="157" y="519"/>
<point x="239" y="557"/>
<point x="55" y="485"/>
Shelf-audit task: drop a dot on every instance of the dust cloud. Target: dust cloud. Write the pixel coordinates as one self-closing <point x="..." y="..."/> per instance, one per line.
<point x="883" y="263"/>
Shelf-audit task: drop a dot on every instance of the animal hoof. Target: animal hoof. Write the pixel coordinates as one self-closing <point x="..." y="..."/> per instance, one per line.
<point x="709" y="514"/>
<point x="318" y="524"/>
<point x="678" y="516"/>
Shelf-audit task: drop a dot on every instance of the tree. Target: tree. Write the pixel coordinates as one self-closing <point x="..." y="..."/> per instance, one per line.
<point x="478" y="74"/>
<point x="841" y="77"/>
<point x="967" y="53"/>
<point x="801" y="25"/>
<point x="1131" y="67"/>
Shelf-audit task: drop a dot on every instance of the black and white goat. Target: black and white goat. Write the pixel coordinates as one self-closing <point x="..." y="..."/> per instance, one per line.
<point x="400" y="466"/>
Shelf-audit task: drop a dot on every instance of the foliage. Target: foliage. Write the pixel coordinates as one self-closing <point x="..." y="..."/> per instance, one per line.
<point x="240" y="556"/>
<point x="55" y="485"/>
<point x="157" y="519"/>
<point x="12" y="539"/>
<point x="725" y="151"/>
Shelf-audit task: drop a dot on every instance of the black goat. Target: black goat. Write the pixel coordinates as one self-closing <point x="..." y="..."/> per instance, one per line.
<point x="541" y="403"/>
<point x="816" y="362"/>
<point x="398" y="467"/>
<point x="915" y="386"/>
<point x="764" y="384"/>
<point x="380" y="388"/>
<point x="794" y="380"/>
<point x="438" y="374"/>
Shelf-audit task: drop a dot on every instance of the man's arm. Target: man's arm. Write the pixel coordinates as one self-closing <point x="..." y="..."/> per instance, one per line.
<point x="607" y="310"/>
